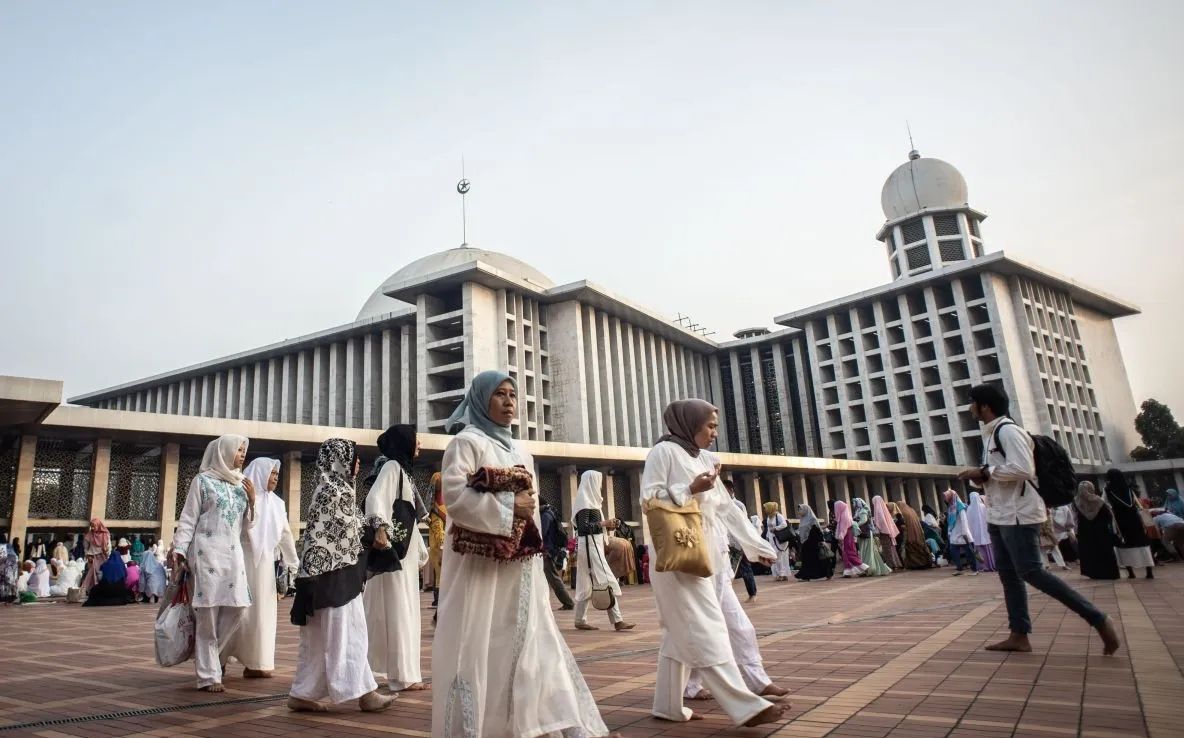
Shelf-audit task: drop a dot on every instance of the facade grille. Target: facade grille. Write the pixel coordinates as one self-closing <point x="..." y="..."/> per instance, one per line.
<point x="913" y="231"/>
<point x="917" y="257"/>
<point x="946" y="224"/>
<point x="748" y="383"/>
<point x="729" y="403"/>
<point x="951" y="250"/>
<point x="772" y="403"/>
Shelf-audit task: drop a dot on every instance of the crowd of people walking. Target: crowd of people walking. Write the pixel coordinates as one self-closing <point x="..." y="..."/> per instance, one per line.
<point x="494" y="554"/>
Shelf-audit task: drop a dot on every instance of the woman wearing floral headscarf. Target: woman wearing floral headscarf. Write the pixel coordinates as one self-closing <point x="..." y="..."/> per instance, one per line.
<point x="219" y="507"/>
<point x="332" y="663"/>
<point x="868" y="540"/>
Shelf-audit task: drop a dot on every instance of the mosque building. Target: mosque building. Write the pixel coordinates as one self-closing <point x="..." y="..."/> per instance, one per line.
<point x="881" y="375"/>
<point x="861" y="395"/>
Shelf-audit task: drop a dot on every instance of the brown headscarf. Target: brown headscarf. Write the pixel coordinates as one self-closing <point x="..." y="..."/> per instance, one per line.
<point x="1088" y="502"/>
<point x="683" y="419"/>
<point x="916" y="551"/>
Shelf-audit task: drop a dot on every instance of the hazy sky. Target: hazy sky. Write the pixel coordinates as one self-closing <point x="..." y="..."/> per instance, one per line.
<point x="179" y="183"/>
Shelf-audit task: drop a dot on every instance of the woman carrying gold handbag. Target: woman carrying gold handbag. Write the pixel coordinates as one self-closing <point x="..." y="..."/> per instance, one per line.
<point x="678" y="482"/>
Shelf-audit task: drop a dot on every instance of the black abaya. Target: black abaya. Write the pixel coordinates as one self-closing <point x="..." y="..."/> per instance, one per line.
<point x="814" y="566"/>
<point x="1095" y="546"/>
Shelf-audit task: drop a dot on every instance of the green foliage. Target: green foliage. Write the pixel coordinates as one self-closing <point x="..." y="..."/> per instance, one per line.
<point x="1163" y="438"/>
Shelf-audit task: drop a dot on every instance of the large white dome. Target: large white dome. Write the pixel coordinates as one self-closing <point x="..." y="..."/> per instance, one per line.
<point x="922" y="184"/>
<point x="379" y="303"/>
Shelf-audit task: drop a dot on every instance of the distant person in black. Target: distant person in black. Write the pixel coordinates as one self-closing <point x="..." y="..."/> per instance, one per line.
<point x="556" y="542"/>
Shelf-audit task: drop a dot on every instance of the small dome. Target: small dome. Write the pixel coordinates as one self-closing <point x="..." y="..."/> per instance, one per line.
<point x="379" y="303"/>
<point x="922" y="184"/>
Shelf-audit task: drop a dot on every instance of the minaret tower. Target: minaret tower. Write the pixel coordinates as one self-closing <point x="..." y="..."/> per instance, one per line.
<point x="929" y="223"/>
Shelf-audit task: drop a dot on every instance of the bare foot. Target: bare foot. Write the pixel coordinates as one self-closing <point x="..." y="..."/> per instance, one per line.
<point x="417" y="687"/>
<point x="751" y="599"/>
<point x="295" y="704"/>
<point x="701" y="695"/>
<point x="770" y="714"/>
<point x="212" y="688"/>
<point x="374" y="702"/>
<point x="773" y="693"/>
<point x="585" y="626"/>
<point x="625" y="626"/>
<point x="1109" y="633"/>
<point x="256" y="674"/>
<point x="1016" y="642"/>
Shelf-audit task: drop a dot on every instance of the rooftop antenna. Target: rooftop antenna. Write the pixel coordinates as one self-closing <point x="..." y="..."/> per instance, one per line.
<point x="913" y="153"/>
<point x="463" y="188"/>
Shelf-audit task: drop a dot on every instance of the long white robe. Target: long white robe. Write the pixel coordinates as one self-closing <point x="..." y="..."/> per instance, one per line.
<point x="392" y="599"/>
<point x="500" y="668"/>
<point x="695" y="630"/>
<point x="253" y="644"/>
<point x="781" y="567"/>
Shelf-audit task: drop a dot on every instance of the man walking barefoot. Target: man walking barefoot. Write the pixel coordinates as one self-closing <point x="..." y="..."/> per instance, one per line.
<point x="1013" y="521"/>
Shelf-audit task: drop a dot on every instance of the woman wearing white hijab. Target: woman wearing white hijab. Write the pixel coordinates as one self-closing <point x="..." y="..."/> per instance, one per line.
<point x="592" y="569"/>
<point x="391" y="598"/>
<point x="219" y="508"/>
<point x="254" y="643"/>
<point x="976" y="516"/>
<point x="39" y="580"/>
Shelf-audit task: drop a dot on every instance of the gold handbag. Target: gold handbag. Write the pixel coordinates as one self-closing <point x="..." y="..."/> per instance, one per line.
<point x="677" y="535"/>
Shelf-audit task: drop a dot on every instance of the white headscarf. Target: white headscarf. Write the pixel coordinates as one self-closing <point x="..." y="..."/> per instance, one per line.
<point x="588" y="496"/>
<point x="976" y="516"/>
<point x="270" y="514"/>
<point x="39" y="581"/>
<point x="218" y="460"/>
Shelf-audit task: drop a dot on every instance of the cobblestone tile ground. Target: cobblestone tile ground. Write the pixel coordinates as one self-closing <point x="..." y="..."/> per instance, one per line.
<point x="868" y="658"/>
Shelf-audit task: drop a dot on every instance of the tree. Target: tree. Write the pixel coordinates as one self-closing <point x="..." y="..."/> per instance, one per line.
<point x="1163" y="438"/>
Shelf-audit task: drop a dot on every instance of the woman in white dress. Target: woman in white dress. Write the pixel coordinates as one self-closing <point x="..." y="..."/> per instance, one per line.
<point x="695" y="633"/>
<point x="391" y="598"/>
<point x="219" y="509"/>
<point x="587" y="522"/>
<point x="775" y="521"/>
<point x="331" y="665"/>
<point x="39" y="582"/>
<point x="253" y="645"/>
<point x="500" y="668"/>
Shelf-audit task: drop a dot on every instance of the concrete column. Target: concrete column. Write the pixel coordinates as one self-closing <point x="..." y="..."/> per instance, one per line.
<point x="609" y="496"/>
<point x="409" y="386"/>
<point x="931" y="494"/>
<point x="776" y="492"/>
<point x="259" y="392"/>
<point x="741" y="444"/>
<point x="100" y="473"/>
<point x="207" y="397"/>
<point x="389" y="379"/>
<point x="859" y="488"/>
<point x="290" y="483"/>
<point x="288" y="389"/>
<point x="762" y="411"/>
<point x="630" y="381"/>
<point x="337" y="378"/>
<point x="912" y="489"/>
<point x="569" y="482"/>
<point x="274" y="389"/>
<point x="170" y="458"/>
<point x="605" y="359"/>
<point x="26" y="459"/>
<point x="232" y="382"/>
<point x="819" y="494"/>
<point x="799" y="493"/>
<point x="320" y="386"/>
<point x="371" y="379"/>
<point x="303" y="388"/>
<point x="353" y="392"/>
<point x="840" y="489"/>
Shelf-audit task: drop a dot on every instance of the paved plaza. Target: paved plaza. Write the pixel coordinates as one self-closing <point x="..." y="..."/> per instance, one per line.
<point x="894" y="656"/>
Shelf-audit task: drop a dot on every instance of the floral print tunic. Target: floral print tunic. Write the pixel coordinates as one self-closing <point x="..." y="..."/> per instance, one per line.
<point x="210" y="537"/>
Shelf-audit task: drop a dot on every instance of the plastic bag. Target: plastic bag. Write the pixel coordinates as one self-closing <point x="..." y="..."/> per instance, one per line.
<point x="175" y="627"/>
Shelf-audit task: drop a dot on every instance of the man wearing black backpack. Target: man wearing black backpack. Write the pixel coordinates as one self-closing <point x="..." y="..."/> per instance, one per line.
<point x="1014" y="468"/>
<point x="555" y="541"/>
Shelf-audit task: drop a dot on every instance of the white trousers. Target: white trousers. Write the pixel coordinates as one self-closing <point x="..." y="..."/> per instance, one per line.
<point x="332" y="663"/>
<point x="614" y="613"/>
<point x="723" y="680"/>
<point x="215" y="627"/>
<point x="1057" y="557"/>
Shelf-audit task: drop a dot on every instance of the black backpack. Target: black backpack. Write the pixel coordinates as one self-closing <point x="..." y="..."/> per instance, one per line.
<point x="1056" y="482"/>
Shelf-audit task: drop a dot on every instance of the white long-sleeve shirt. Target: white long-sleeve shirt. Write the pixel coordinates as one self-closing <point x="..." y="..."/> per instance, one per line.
<point x="1011" y="500"/>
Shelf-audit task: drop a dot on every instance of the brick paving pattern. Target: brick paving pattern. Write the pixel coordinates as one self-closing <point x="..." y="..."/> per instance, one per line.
<point x="868" y="658"/>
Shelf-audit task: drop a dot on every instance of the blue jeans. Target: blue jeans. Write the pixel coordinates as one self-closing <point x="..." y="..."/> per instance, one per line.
<point x="1018" y="559"/>
<point x="960" y="550"/>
